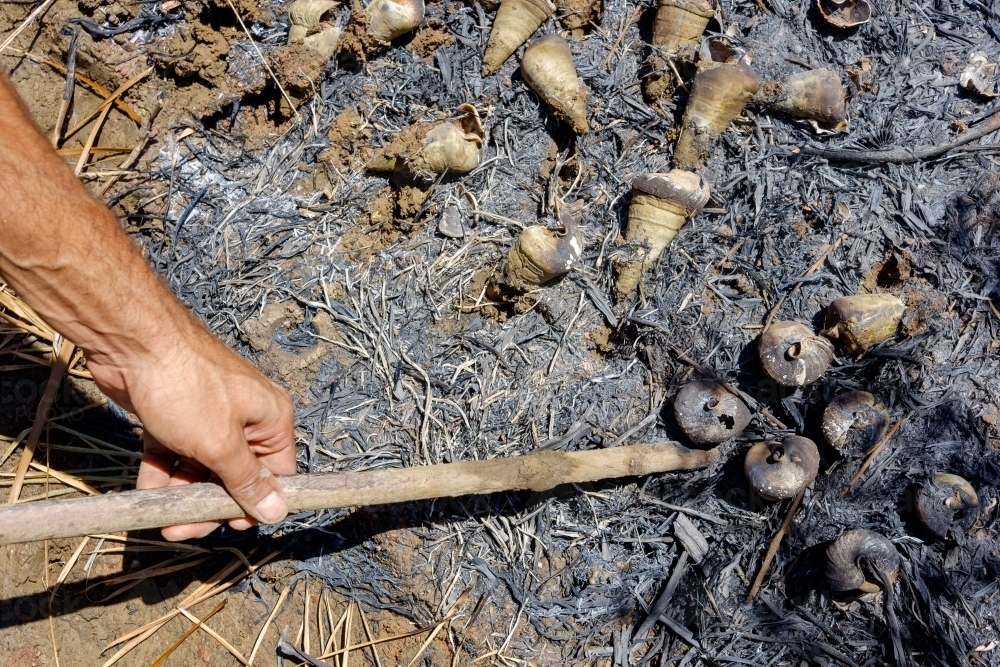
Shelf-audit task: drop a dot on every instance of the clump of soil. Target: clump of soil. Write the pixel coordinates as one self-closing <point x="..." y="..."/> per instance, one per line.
<point x="349" y="137"/>
<point x="431" y="38"/>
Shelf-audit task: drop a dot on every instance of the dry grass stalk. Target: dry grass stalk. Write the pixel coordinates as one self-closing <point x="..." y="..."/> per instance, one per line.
<point x="65" y="478"/>
<point x="38" y="11"/>
<point x="103" y="109"/>
<point x="162" y="659"/>
<point x="207" y="590"/>
<point x="876" y="450"/>
<point x="62" y="350"/>
<point x="368" y="636"/>
<point x="267" y="623"/>
<point x="215" y="635"/>
<point x="772" y="549"/>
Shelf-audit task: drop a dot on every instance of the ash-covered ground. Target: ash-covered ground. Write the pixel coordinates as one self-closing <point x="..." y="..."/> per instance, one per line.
<point x="337" y="282"/>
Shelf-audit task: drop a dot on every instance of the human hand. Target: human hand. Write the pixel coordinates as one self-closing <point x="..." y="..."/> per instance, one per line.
<point x="208" y="414"/>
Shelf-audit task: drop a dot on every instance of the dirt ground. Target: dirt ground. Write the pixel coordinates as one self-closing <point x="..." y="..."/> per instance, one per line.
<point x="340" y="284"/>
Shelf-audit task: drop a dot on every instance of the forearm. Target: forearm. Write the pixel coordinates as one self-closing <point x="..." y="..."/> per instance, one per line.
<point x="66" y="255"/>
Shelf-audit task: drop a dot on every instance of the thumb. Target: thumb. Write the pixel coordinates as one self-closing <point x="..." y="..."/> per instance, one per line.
<point x="251" y="484"/>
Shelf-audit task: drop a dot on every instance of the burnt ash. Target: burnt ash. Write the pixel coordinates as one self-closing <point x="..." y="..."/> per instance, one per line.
<point x="422" y="374"/>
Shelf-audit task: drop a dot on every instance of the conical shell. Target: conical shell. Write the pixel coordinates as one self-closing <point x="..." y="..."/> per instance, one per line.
<point x="719" y="93"/>
<point x="547" y="67"/>
<point x="862" y="321"/>
<point x="818" y="95"/>
<point x="661" y="204"/>
<point x="324" y="42"/>
<point x="389" y="19"/>
<point x="515" y="22"/>
<point x="453" y="145"/>
<point x="306" y="16"/>
<point x="680" y="23"/>
<point x="540" y="254"/>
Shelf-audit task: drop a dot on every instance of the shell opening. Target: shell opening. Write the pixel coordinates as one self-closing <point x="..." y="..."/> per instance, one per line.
<point x="794" y="350"/>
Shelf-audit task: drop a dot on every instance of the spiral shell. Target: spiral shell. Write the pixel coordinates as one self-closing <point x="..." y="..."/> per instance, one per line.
<point x="515" y="22"/>
<point x="547" y="67"/>
<point x="708" y="413"/>
<point x="661" y="204"/>
<point x="780" y="470"/>
<point x="389" y="19"/>
<point x="862" y="321"/>
<point x="719" y="93"/>
<point x="852" y="557"/>
<point x="845" y="13"/>
<point x="540" y="255"/>
<point x="817" y="94"/>
<point x="792" y="355"/>
<point x="680" y="23"/>
<point x="854" y="421"/>
<point x="453" y="145"/>
<point x="306" y="17"/>
<point x="946" y="502"/>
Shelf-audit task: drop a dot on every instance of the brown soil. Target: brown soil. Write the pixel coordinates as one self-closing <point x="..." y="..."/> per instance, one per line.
<point x="428" y="40"/>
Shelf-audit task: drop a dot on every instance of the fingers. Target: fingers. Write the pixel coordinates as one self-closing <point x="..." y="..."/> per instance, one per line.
<point x="249" y="482"/>
<point x="157" y="470"/>
<point x="156" y="465"/>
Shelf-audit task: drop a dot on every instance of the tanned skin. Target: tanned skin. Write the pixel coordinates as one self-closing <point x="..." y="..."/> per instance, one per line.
<point x="207" y="413"/>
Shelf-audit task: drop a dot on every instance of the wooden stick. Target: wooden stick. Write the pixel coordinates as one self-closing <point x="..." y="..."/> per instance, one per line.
<point x="772" y="550"/>
<point x="194" y="503"/>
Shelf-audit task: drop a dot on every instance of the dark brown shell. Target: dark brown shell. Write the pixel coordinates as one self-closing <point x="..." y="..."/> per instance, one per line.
<point x="817" y="94"/>
<point x="845" y="13"/>
<point x="708" y="413"/>
<point x="854" y="421"/>
<point x="946" y="502"/>
<point x="780" y="470"/>
<point x="862" y="321"/>
<point x="792" y="355"/>
<point x="852" y="558"/>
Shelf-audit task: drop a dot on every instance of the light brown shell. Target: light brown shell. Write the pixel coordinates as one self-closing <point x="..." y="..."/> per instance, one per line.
<point x="944" y="501"/>
<point x="661" y="204"/>
<point x="306" y="16"/>
<point x="862" y="321"/>
<point x="547" y="67"/>
<point x="719" y="93"/>
<point x="845" y="13"/>
<point x="540" y="255"/>
<point x="851" y="557"/>
<point x="680" y="23"/>
<point x="453" y="145"/>
<point x="854" y="421"/>
<point x="578" y="14"/>
<point x="389" y="19"/>
<point x="708" y="413"/>
<point x="324" y="42"/>
<point x="780" y="470"/>
<point x="515" y="22"/>
<point x="817" y="94"/>
<point x="792" y="355"/>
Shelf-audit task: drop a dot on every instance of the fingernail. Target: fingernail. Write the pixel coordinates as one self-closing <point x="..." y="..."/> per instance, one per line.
<point x="273" y="508"/>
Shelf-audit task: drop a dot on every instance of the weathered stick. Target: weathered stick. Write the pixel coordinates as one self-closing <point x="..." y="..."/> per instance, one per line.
<point x="155" y="508"/>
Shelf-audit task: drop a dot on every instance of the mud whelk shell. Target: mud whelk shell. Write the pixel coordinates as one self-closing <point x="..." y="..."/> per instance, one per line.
<point x="719" y="93"/>
<point x="862" y="321"/>
<point x="389" y="19"/>
<point x="708" y="413"/>
<point x="792" y="355"/>
<point x="453" y="145"/>
<point x="305" y="17"/>
<point x="324" y="42"/>
<point x="547" y="67"/>
<point x="781" y="470"/>
<point x="680" y="23"/>
<point x="945" y="501"/>
<point x="661" y="204"/>
<point x="854" y="421"/>
<point x="845" y="13"/>
<point x="817" y="95"/>
<point x="540" y="255"/>
<point x="515" y="22"/>
<point x="853" y="558"/>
